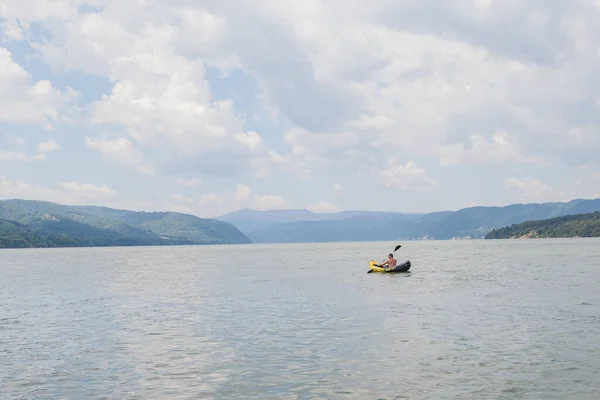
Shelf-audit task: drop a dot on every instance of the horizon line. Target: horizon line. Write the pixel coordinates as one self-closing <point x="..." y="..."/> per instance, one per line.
<point x="306" y="209"/>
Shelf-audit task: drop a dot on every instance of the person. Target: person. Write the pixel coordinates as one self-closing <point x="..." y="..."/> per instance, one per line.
<point x="390" y="262"/>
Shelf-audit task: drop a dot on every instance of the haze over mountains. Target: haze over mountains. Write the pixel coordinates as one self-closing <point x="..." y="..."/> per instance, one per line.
<point x="290" y="226"/>
<point x="27" y="223"/>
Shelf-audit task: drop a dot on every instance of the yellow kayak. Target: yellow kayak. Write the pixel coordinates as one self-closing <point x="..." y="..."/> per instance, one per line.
<point x="374" y="267"/>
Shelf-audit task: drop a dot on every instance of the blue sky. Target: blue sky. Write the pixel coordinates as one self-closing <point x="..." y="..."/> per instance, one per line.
<point x="211" y="106"/>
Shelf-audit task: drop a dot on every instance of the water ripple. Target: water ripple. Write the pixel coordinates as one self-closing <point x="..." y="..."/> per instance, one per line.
<point x="475" y="319"/>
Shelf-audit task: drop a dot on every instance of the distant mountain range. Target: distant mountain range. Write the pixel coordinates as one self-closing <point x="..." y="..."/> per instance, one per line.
<point x="580" y="225"/>
<point x="26" y="223"/>
<point x="295" y="226"/>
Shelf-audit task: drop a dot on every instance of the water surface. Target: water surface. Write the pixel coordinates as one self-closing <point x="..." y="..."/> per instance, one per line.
<point x="515" y="319"/>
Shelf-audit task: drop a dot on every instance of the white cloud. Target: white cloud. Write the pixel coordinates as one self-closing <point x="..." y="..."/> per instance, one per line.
<point x="88" y="191"/>
<point x="323" y="207"/>
<point x="501" y="149"/>
<point x="270" y="161"/>
<point x="326" y="147"/>
<point x="160" y="98"/>
<point x="21" y="156"/>
<point x="25" y="102"/>
<point x="245" y="198"/>
<point x="337" y="187"/>
<point x="65" y="193"/>
<point x="469" y="204"/>
<point x="533" y="190"/>
<point x="170" y="111"/>
<point x="407" y="176"/>
<point x="268" y="202"/>
<point x="215" y="204"/>
<point x="48" y="146"/>
<point x="18" y="189"/>
<point x="482" y="3"/>
<point x="15" y="156"/>
<point x="19" y="141"/>
<point x="252" y="140"/>
<point x="242" y="193"/>
<point x="374" y="122"/>
<point x="120" y="150"/>
<point x="443" y="83"/>
<point x="11" y="30"/>
<point x="191" y="183"/>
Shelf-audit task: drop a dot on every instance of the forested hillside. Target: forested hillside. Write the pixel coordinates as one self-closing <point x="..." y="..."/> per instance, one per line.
<point x="582" y="225"/>
<point x="28" y="223"/>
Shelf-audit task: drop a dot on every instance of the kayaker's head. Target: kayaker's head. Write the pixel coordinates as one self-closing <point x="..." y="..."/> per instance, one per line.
<point x="390" y="255"/>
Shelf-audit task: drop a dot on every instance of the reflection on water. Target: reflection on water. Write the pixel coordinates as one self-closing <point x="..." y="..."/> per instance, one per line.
<point x="474" y="319"/>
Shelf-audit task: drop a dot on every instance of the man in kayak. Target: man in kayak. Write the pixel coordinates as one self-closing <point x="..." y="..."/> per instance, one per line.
<point x="390" y="262"/>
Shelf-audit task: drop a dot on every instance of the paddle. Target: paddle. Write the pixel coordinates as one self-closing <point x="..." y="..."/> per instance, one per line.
<point x="397" y="247"/>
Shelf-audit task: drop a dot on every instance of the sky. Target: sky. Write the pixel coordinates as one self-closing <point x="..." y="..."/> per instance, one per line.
<point x="210" y="106"/>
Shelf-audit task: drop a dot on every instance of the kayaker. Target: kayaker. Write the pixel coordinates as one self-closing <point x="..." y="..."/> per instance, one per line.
<point x="390" y="262"/>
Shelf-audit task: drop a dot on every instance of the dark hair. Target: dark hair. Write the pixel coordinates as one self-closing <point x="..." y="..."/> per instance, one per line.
<point x="391" y="255"/>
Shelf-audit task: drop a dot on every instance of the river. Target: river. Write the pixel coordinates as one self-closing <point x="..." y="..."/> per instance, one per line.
<point x="475" y="319"/>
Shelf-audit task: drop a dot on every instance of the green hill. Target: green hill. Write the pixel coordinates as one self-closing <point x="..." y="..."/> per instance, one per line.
<point x="16" y="235"/>
<point x="27" y="223"/>
<point x="582" y="225"/>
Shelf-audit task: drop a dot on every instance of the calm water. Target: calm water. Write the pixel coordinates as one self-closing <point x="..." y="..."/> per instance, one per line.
<point x="474" y="320"/>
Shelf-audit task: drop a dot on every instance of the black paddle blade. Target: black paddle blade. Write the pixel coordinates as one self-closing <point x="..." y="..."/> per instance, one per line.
<point x="397" y="247"/>
<point x="369" y="271"/>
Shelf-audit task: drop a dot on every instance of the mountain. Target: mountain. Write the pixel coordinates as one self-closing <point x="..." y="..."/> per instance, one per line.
<point x="581" y="225"/>
<point x="253" y="221"/>
<point x="294" y="226"/>
<point x="248" y="220"/>
<point x="16" y="235"/>
<point x="27" y="223"/>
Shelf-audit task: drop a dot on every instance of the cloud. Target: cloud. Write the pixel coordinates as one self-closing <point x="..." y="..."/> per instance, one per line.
<point x="501" y="149"/>
<point x="216" y="204"/>
<point x="191" y="183"/>
<point x="160" y="98"/>
<point x="581" y="145"/>
<point x="120" y="150"/>
<point x="168" y="110"/>
<point x="21" y="156"/>
<point x="337" y="187"/>
<point x="65" y="193"/>
<point x="533" y="190"/>
<point x="271" y="91"/>
<point x="321" y="146"/>
<point x="323" y="207"/>
<point x="407" y="176"/>
<point x="252" y="140"/>
<point x="12" y="155"/>
<point x="88" y="191"/>
<point x="268" y="202"/>
<point x="269" y="162"/>
<point x="24" y="102"/>
<point x="48" y="146"/>
<point x="20" y="189"/>
<point x="244" y="196"/>
<point x="19" y="141"/>
<point x="43" y="148"/>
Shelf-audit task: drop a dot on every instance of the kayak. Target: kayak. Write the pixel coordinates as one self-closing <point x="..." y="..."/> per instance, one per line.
<point x="373" y="265"/>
